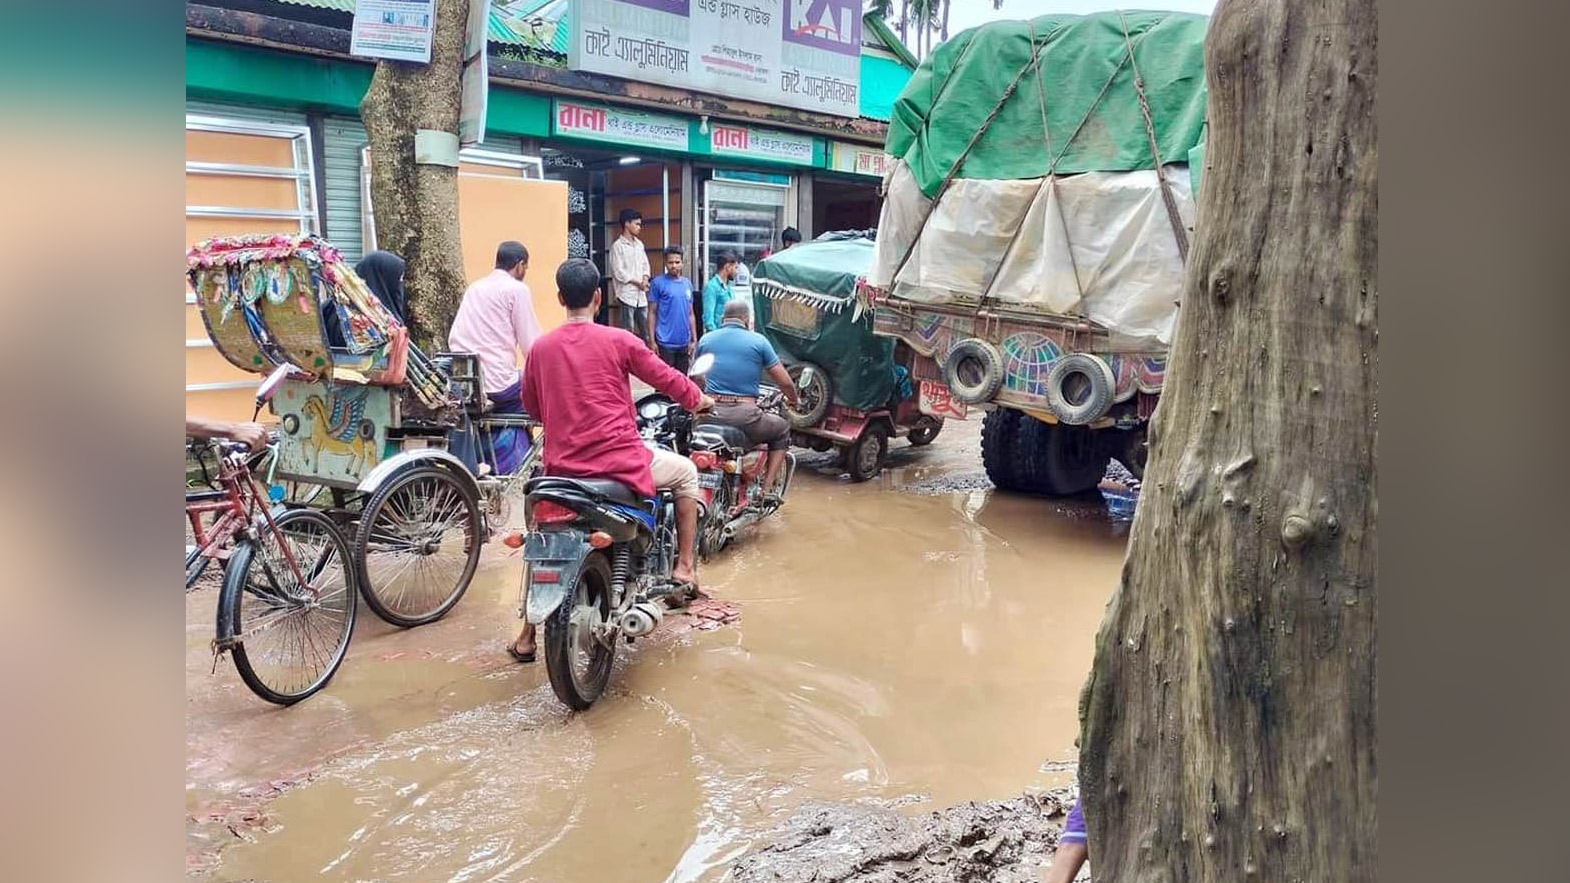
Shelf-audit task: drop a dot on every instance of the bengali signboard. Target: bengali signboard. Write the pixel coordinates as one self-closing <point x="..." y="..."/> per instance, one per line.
<point x="858" y="160"/>
<point x="749" y="142"/>
<point x="396" y="29"/>
<point x="619" y="125"/>
<point x="795" y="53"/>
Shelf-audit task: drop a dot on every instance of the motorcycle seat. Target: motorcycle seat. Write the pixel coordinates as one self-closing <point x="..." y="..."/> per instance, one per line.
<point x="614" y="491"/>
<point x="732" y="435"/>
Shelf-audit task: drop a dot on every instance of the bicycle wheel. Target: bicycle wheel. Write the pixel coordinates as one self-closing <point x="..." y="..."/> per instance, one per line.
<point x="289" y="639"/>
<point x="418" y="545"/>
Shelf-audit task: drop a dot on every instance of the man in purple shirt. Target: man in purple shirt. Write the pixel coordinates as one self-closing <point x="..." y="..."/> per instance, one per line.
<point x="1073" y="847"/>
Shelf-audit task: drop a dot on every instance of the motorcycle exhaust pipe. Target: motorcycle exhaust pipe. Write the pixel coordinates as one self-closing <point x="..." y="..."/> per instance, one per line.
<point x="642" y="618"/>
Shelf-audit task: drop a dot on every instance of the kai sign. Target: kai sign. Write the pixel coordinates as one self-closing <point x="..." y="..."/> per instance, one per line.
<point x="794" y="53"/>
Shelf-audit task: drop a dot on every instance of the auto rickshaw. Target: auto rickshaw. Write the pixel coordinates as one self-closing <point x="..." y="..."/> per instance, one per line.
<point x="857" y="391"/>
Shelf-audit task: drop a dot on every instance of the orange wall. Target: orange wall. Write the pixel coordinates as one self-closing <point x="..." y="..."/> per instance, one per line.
<point x="493" y="209"/>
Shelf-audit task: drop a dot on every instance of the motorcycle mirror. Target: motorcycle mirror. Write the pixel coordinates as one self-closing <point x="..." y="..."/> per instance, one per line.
<point x="701" y="365"/>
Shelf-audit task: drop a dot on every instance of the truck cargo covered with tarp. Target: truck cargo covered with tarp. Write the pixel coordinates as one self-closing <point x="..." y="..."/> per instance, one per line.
<point x="805" y="302"/>
<point x="1041" y="167"/>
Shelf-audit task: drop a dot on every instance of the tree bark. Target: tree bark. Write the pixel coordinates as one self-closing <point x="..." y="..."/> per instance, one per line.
<point x="946" y="20"/>
<point x="416" y="205"/>
<point x="1228" y="724"/>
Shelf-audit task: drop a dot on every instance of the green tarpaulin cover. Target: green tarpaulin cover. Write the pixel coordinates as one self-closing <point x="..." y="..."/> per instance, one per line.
<point x="805" y="304"/>
<point x="1084" y="81"/>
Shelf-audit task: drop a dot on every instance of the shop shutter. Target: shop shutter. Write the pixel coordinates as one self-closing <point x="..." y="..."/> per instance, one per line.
<point x="342" y="139"/>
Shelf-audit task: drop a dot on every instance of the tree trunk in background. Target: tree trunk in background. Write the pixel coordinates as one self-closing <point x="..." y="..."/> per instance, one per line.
<point x="416" y="205"/>
<point x="1228" y="722"/>
<point x="904" y="22"/>
<point x="946" y="4"/>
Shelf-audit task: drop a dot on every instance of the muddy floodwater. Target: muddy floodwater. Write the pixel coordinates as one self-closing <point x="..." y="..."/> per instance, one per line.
<point x="918" y="637"/>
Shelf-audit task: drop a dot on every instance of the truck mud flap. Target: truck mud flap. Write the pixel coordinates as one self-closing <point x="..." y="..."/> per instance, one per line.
<point x="559" y="552"/>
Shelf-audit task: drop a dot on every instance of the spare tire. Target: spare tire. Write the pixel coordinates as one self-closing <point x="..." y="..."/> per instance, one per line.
<point x="1080" y="388"/>
<point x="973" y="371"/>
<point x="816" y="396"/>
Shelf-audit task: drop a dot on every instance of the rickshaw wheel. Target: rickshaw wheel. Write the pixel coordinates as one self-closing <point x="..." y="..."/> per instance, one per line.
<point x="864" y="459"/>
<point x="418" y="546"/>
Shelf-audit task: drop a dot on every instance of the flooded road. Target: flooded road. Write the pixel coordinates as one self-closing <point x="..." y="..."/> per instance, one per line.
<point x="919" y="635"/>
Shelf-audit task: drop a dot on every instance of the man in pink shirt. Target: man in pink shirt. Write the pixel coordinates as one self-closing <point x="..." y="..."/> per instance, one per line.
<point x="496" y="322"/>
<point x="576" y="382"/>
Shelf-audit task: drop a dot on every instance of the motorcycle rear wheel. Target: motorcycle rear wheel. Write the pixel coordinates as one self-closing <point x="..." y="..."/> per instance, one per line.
<point x="711" y="531"/>
<point x="579" y="665"/>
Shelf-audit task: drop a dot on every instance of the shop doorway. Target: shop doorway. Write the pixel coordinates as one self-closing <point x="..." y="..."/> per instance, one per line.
<point x="600" y="184"/>
<point x="843" y="204"/>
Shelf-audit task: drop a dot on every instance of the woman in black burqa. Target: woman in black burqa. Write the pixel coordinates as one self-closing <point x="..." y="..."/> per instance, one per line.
<point x="383" y="274"/>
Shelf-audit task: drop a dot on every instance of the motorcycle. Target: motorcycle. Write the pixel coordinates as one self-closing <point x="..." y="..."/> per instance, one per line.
<point x="600" y="559"/>
<point x="730" y="467"/>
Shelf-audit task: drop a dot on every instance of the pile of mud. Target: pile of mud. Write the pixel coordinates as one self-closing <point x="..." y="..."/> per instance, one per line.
<point x="1007" y="841"/>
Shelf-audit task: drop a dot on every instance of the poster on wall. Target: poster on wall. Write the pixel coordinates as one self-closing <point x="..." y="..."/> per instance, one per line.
<point x="399" y="30"/>
<point x="795" y="53"/>
<point x="476" y="76"/>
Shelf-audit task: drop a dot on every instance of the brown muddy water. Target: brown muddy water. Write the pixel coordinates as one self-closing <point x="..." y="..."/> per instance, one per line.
<point x="918" y="636"/>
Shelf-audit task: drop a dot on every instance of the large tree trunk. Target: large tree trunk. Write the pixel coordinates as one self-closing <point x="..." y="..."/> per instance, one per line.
<point x="417" y="204"/>
<point x="1228" y="722"/>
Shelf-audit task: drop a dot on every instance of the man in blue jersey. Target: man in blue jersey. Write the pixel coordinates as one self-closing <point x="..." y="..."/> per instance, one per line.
<point x="670" y="312"/>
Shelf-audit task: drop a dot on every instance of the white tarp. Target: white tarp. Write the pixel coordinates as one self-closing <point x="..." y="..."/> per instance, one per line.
<point x="1097" y="244"/>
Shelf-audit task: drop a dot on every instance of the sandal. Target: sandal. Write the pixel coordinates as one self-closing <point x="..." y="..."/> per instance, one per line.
<point x="512" y="650"/>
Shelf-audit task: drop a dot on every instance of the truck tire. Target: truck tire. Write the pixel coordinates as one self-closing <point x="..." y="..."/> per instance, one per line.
<point x="1080" y="387"/>
<point x="998" y="431"/>
<point x="973" y="371"/>
<point x="1068" y="459"/>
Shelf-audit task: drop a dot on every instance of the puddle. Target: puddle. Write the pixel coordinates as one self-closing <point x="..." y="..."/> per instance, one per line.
<point x="890" y="644"/>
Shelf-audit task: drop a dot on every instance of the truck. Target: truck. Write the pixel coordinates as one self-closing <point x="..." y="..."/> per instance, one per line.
<point x="1035" y="225"/>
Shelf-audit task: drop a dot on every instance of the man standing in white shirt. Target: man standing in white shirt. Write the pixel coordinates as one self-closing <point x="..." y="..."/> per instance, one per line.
<point x="629" y="266"/>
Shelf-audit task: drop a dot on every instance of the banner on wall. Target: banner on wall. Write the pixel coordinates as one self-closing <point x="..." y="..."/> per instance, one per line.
<point x="476" y="76"/>
<point x="794" y="53"/>
<point x="619" y="125"/>
<point x="399" y="30"/>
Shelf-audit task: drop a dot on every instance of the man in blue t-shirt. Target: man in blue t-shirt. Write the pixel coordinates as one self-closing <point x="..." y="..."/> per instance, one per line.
<point x="670" y="312"/>
<point x="741" y="358"/>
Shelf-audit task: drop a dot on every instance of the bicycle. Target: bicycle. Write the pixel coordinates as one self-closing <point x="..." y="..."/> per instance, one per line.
<point x="287" y="606"/>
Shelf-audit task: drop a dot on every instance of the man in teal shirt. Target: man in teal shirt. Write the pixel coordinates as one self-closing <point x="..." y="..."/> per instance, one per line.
<point x="717" y="291"/>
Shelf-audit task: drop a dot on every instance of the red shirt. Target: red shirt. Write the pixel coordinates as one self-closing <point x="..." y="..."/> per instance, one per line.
<point x="575" y="382"/>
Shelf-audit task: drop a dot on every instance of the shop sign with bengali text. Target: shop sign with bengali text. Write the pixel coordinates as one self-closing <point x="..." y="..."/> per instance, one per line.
<point x="620" y="126"/>
<point x="749" y="142"/>
<point x="857" y="160"/>
<point x="804" y="54"/>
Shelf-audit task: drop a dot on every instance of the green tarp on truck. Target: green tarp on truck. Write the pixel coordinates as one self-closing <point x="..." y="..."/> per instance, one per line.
<point x="1072" y="69"/>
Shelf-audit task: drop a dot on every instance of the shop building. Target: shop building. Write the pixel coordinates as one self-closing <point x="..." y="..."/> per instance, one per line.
<point x="274" y="142"/>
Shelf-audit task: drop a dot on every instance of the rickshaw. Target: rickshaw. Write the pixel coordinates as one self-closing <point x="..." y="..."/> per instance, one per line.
<point x="372" y="420"/>
<point x="856" y="388"/>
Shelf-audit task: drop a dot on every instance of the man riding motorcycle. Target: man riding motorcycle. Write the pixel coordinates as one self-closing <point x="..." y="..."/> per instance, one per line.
<point x="741" y="358"/>
<point x="576" y="383"/>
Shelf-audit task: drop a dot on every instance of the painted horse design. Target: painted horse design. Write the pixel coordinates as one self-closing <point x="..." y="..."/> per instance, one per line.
<point x="338" y="432"/>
